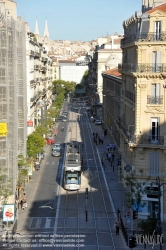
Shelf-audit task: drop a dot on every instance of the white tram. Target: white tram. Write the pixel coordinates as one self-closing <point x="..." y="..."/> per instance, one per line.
<point x="72" y="167"/>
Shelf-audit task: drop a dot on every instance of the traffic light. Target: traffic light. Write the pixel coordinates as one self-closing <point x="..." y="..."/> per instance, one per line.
<point x="135" y="214"/>
<point x="132" y="242"/>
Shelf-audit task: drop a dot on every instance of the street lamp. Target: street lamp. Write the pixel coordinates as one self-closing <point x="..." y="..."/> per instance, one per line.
<point x="159" y="228"/>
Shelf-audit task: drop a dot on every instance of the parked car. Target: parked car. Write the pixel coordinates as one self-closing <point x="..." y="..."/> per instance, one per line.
<point x="98" y="122"/>
<point x="56" y="146"/>
<point x="64" y="114"/>
<point x="64" y="119"/>
<point x="37" y="165"/>
<point x="50" y="141"/>
<point x="60" y="118"/>
<point x="56" y="152"/>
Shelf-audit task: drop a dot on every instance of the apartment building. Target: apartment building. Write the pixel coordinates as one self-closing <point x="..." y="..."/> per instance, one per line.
<point x="13" y="108"/>
<point x="143" y="109"/>
<point x="105" y="56"/>
<point x="39" y="77"/>
<point x="112" y="84"/>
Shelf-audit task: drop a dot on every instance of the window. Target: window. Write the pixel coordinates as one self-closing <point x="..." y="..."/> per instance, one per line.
<point x="155" y="93"/>
<point x="156" y="61"/>
<point x="154" y="129"/>
<point x="157" y="30"/>
<point x="154" y="163"/>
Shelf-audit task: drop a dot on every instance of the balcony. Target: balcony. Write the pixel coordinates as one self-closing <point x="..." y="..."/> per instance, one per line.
<point x="154" y="100"/>
<point x="32" y="53"/>
<point x="37" y="55"/>
<point x="31" y="82"/>
<point x="144" y="37"/>
<point x="43" y="68"/>
<point x="142" y="67"/>
<point x="44" y="59"/>
<point x="147" y="140"/>
<point x="32" y="99"/>
<point x="36" y="67"/>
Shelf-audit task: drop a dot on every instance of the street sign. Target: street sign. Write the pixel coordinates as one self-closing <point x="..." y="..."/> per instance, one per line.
<point x="128" y="219"/>
<point x="128" y="214"/>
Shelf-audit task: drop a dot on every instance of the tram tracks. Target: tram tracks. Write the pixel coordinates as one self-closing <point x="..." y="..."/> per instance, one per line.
<point x="96" y="179"/>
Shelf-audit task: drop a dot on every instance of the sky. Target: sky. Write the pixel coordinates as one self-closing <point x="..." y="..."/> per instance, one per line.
<point x="77" y="20"/>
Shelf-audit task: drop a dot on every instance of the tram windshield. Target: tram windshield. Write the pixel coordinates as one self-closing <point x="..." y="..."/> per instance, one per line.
<point x="73" y="178"/>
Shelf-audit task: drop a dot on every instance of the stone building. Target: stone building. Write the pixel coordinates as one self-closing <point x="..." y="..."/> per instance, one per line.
<point x="143" y="109"/>
<point x="105" y="56"/>
<point x="112" y="84"/>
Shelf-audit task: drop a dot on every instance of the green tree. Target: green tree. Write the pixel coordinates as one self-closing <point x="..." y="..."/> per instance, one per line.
<point x="84" y="80"/>
<point x="23" y="168"/>
<point x="134" y="192"/>
<point x="61" y="86"/>
<point x="148" y="226"/>
<point x="5" y="186"/>
<point x="35" y="144"/>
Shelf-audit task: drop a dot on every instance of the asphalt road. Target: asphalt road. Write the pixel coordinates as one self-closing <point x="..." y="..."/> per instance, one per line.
<point x="70" y="220"/>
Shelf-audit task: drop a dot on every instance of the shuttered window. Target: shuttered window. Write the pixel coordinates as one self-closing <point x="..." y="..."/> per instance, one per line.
<point x="154" y="163"/>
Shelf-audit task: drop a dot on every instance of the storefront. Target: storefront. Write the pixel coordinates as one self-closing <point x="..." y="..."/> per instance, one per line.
<point x="150" y="203"/>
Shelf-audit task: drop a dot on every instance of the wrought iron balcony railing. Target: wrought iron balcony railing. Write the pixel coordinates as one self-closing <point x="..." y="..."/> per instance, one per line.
<point x="37" y="54"/>
<point x="32" y="53"/>
<point x="146" y="139"/>
<point x="144" y="37"/>
<point x="154" y="99"/>
<point x="143" y="67"/>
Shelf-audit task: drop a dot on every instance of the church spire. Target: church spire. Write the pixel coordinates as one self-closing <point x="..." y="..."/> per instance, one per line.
<point x="46" y="32"/>
<point x="36" y="32"/>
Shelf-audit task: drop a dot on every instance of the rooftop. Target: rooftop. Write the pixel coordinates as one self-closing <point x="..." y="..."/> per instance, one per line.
<point x="113" y="72"/>
<point x="160" y="7"/>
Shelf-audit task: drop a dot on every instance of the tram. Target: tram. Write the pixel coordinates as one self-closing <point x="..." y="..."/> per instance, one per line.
<point x="72" y="167"/>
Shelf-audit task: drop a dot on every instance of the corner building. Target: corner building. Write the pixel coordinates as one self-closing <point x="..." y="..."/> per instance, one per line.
<point x="143" y="109"/>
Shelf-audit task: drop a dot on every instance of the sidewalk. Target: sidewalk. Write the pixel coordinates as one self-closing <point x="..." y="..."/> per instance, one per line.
<point x="116" y="188"/>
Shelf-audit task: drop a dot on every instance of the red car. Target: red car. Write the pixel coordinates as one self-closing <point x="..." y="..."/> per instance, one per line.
<point x="50" y="141"/>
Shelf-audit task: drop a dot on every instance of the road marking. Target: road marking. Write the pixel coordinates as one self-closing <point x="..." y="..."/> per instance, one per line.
<point x="48" y="222"/>
<point x="47" y="162"/>
<point x="38" y="223"/>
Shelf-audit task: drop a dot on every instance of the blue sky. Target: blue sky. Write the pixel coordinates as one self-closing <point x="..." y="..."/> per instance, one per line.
<point x="77" y="20"/>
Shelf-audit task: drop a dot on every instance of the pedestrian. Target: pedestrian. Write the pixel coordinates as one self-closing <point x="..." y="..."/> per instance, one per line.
<point x="96" y="135"/>
<point x="99" y="140"/>
<point x="113" y="157"/>
<point x="109" y="156"/>
<point x="95" y="140"/>
<point x="105" y="132"/>
<point x="108" y="147"/>
<point x="117" y="225"/>
<point x="23" y="202"/>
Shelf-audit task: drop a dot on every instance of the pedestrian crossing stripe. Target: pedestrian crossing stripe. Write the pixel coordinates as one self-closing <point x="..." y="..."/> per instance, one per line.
<point x="41" y="222"/>
<point x="49" y="222"/>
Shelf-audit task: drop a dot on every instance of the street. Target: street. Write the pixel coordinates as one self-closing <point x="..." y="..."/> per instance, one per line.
<point x="60" y="219"/>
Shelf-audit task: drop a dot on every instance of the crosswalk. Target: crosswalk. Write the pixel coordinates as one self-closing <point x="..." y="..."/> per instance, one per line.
<point x="41" y="222"/>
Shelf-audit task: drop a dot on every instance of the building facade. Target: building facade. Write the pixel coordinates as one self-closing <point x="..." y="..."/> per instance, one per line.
<point x="143" y="69"/>
<point x="112" y="84"/>
<point x="13" y="107"/>
<point x="105" y="56"/>
<point x="39" y="78"/>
